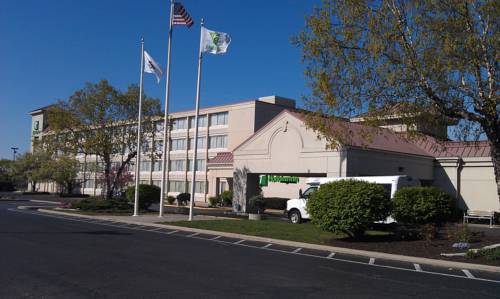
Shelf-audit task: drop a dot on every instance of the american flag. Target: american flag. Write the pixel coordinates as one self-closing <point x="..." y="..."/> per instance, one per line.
<point x="181" y="16"/>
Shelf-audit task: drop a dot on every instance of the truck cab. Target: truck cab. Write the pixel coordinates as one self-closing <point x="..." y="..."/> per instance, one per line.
<point x="296" y="207"/>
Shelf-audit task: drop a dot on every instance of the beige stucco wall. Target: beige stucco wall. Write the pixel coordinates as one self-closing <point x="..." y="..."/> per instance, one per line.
<point x="284" y="190"/>
<point x="477" y="187"/>
<point x="365" y="162"/>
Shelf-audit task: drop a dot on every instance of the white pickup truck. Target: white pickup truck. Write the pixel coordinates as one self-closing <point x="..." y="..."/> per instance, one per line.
<point x="296" y="207"/>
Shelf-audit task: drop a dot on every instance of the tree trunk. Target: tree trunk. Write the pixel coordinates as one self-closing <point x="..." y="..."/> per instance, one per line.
<point x="120" y="170"/>
<point x="107" y="176"/>
<point x="495" y="158"/>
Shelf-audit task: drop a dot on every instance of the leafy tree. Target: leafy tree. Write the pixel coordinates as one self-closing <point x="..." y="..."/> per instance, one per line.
<point x="99" y="120"/>
<point x="64" y="171"/>
<point x="427" y="58"/>
<point x="6" y="179"/>
<point x="31" y="168"/>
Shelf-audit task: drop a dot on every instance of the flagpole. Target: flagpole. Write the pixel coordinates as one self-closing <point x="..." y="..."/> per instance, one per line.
<point x="197" y="112"/>
<point x="166" y="143"/>
<point x="138" y="155"/>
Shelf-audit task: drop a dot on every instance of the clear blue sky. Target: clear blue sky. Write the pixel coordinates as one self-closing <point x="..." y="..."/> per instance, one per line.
<point x="51" y="48"/>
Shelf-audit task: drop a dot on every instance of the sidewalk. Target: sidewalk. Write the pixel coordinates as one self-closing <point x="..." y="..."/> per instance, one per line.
<point x="153" y="221"/>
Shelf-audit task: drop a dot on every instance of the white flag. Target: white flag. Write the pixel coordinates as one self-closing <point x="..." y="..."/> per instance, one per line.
<point x="150" y="66"/>
<point x="214" y="42"/>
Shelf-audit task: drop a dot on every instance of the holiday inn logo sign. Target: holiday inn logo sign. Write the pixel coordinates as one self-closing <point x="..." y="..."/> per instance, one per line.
<point x="265" y="179"/>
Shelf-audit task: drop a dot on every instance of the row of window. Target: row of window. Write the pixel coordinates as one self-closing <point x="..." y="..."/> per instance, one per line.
<point x="216" y="119"/>
<point x="174" y="186"/>
<point x="179" y="186"/>
<point x="218" y="141"/>
<point x="175" y="165"/>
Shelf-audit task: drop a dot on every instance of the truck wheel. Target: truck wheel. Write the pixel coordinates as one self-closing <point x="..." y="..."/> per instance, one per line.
<point x="295" y="217"/>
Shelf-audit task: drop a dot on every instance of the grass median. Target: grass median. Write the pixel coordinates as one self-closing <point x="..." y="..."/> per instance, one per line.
<point x="305" y="232"/>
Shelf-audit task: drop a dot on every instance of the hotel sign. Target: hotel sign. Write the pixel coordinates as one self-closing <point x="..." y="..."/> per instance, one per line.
<point x="285" y="179"/>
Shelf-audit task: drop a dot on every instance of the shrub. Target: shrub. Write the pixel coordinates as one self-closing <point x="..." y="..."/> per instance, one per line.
<point x="348" y="206"/>
<point x="183" y="198"/>
<point x="256" y="204"/>
<point x="491" y="254"/>
<point x="214" y="201"/>
<point x="422" y="205"/>
<point x="226" y="197"/>
<point x="148" y="194"/>
<point x="277" y="203"/>
<point x="460" y="233"/>
<point x="170" y="200"/>
<point x="93" y="204"/>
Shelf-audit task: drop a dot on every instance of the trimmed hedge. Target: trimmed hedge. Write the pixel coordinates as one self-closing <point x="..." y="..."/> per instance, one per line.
<point x="226" y="198"/>
<point x="170" y="200"/>
<point x="93" y="204"/>
<point x="256" y="204"/>
<point x="214" y="201"/>
<point x="348" y="206"/>
<point x="183" y="198"/>
<point x="148" y="194"/>
<point x="277" y="203"/>
<point x="422" y="205"/>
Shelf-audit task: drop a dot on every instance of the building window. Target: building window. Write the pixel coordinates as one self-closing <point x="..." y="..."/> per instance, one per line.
<point x="200" y="164"/>
<point x="145" y="165"/>
<point x="178" y="144"/>
<point x="201" y="142"/>
<point x="89" y="184"/>
<point x="176" y="186"/>
<point x="157" y="183"/>
<point x="199" y="187"/>
<point x="159" y="126"/>
<point x="145" y="146"/>
<point x="179" y="124"/>
<point x="202" y="121"/>
<point x="218" y="119"/>
<point x="159" y="146"/>
<point x="157" y="165"/>
<point x="219" y="141"/>
<point x="177" y="165"/>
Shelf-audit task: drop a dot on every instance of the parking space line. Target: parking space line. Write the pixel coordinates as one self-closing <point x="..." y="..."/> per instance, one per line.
<point x="155" y="229"/>
<point x="372" y="261"/>
<point x="267" y="246"/>
<point x="417" y="267"/>
<point x="297" y="250"/>
<point x="467" y="273"/>
<point x="192" y="235"/>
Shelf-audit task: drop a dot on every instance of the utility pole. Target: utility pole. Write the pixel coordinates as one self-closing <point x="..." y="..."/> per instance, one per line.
<point x="14" y="152"/>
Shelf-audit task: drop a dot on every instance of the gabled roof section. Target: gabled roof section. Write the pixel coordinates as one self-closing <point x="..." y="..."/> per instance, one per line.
<point x="380" y="138"/>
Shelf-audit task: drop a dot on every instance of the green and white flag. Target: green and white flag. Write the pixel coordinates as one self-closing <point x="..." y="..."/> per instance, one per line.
<point x="214" y="42"/>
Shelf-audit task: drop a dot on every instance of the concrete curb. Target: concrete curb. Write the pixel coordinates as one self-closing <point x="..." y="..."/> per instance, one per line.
<point x="45" y="201"/>
<point x="370" y="254"/>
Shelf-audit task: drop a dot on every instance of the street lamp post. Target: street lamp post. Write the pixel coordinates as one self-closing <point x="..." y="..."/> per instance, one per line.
<point x="14" y="152"/>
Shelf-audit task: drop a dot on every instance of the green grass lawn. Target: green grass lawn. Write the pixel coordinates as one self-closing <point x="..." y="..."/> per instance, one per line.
<point x="305" y="232"/>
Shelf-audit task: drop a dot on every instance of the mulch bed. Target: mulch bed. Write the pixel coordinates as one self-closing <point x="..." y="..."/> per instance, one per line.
<point x="420" y="248"/>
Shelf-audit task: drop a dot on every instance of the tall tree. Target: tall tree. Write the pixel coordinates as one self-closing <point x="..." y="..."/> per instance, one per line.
<point x="64" y="171"/>
<point x="427" y="58"/>
<point x="99" y="120"/>
<point x="30" y="168"/>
